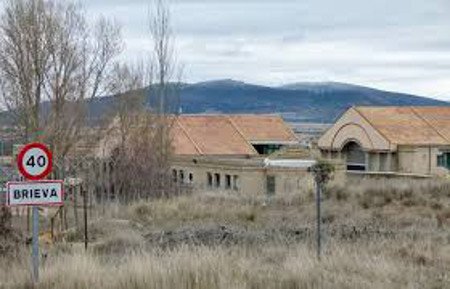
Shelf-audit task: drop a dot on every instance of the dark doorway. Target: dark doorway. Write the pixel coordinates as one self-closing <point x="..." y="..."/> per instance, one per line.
<point x="355" y="157"/>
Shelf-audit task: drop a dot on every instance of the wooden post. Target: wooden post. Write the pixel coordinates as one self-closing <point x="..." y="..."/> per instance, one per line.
<point x="75" y="209"/>
<point x="52" y="228"/>
<point x="28" y="220"/>
<point x="66" y="223"/>
<point x="85" y="202"/>
<point x="319" y="219"/>
<point x="61" y="219"/>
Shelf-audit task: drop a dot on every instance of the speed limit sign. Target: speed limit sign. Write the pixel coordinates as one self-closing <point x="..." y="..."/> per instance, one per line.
<point x="34" y="161"/>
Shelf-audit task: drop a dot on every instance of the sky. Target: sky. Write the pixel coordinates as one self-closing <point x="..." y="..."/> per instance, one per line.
<point x="397" y="45"/>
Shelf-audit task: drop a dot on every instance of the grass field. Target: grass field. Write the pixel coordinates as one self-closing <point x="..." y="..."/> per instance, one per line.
<point x="378" y="234"/>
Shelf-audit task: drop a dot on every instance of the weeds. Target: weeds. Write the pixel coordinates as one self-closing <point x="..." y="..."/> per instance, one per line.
<point x="379" y="234"/>
<point x="343" y="266"/>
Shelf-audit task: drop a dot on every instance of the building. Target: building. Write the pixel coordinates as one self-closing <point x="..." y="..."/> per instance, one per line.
<point x="250" y="154"/>
<point x="411" y="140"/>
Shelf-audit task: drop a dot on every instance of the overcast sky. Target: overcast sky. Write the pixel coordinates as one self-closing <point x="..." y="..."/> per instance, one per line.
<point x="399" y="45"/>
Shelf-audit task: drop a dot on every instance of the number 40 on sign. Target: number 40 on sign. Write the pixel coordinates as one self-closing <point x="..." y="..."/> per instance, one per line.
<point x="34" y="161"/>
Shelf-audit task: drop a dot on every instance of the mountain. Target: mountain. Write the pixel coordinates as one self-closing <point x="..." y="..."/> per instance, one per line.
<point x="299" y="102"/>
<point x="319" y="102"/>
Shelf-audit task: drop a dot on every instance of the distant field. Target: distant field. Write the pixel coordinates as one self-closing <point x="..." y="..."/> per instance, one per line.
<point x="378" y="234"/>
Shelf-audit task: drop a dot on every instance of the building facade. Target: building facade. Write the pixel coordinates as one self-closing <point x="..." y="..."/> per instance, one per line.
<point x="238" y="153"/>
<point x="408" y="140"/>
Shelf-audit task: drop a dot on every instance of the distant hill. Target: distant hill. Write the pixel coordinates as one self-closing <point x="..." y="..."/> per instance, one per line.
<point x="320" y="102"/>
<point x="300" y="102"/>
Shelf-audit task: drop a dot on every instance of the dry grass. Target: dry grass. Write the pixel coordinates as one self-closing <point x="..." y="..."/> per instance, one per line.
<point x="344" y="266"/>
<point x="378" y="234"/>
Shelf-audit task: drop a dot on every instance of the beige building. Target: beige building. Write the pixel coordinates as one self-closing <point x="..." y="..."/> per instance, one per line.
<point x="413" y="140"/>
<point x="250" y="154"/>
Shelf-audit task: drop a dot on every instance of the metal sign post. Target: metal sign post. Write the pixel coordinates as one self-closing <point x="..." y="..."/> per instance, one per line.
<point x="35" y="245"/>
<point x="34" y="162"/>
<point x="321" y="172"/>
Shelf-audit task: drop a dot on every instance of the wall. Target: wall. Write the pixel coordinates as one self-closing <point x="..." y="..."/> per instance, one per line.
<point x="248" y="179"/>
<point x="420" y="160"/>
<point x="252" y="178"/>
<point x="382" y="161"/>
<point x="291" y="181"/>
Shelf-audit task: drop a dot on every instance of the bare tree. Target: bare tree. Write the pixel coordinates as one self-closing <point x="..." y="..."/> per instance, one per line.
<point x="24" y="59"/>
<point x="163" y="52"/>
<point x="140" y="154"/>
<point x="166" y="91"/>
<point x="49" y="52"/>
<point x="130" y="83"/>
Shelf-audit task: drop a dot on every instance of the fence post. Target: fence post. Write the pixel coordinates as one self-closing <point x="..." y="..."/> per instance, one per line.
<point x="52" y="228"/>
<point x="319" y="219"/>
<point x="85" y="202"/>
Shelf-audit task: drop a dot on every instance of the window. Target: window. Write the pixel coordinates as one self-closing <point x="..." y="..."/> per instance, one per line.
<point x="267" y="149"/>
<point x="181" y="174"/>
<point x="236" y="183"/>
<point x="191" y="178"/>
<point x="111" y="167"/>
<point x="210" y="179"/>
<point x="227" y="182"/>
<point x="270" y="185"/>
<point x="174" y="176"/>
<point x="355" y="157"/>
<point x="217" y="180"/>
<point x="443" y="160"/>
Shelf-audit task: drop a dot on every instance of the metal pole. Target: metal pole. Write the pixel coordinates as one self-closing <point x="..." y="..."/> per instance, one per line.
<point x="35" y="246"/>
<point x="319" y="219"/>
<point x="85" y="201"/>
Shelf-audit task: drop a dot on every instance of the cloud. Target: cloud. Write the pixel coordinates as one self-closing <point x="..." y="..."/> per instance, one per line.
<point x="401" y="45"/>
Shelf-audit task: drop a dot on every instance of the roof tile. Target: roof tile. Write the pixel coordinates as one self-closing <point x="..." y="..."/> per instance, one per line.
<point x="263" y="128"/>
<point x="410" y="125"/>
<point x="227" y="134"/>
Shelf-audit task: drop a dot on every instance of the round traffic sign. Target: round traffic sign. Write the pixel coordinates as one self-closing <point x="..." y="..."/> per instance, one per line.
<point x="34" y="161"/>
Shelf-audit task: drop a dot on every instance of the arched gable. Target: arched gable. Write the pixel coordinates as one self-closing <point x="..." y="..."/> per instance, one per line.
<point x="351" y="132"/>
<point x="352" y="126"/>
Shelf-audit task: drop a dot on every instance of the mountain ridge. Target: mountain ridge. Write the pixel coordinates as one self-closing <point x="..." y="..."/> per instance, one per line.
<point x="319" y="102"/>
<point x="304" y="101"/>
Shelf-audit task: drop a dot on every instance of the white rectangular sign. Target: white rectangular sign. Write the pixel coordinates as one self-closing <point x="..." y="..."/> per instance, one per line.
<point x="36" y="193"/>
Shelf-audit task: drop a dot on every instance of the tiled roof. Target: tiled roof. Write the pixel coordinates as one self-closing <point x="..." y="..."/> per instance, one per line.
<point x="410" y="125"/>
<point x="263" y="128"/>
<point x="226" y="134"/>
<point x="181" y="142"/>
<point x="438" y="118"/>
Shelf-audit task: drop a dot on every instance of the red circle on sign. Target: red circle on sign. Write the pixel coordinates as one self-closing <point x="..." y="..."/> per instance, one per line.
<point x="21" y="155"/>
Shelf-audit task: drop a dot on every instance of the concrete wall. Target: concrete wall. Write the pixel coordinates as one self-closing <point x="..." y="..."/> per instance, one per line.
<point x="420" y="160"/>
<point x="382" y="161"/>
<point x="251" y="179"/>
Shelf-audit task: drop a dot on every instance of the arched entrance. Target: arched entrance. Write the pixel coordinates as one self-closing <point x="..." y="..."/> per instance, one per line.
<point x="355" y="157"/>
